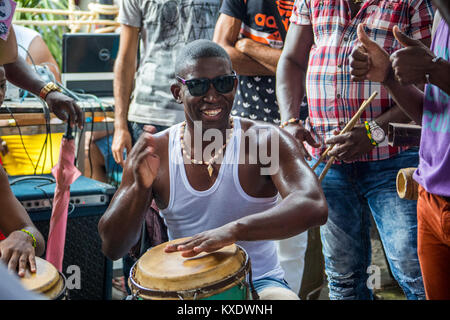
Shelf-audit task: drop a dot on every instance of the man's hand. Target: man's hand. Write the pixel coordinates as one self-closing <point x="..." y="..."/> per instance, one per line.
<point x="207" y="241"/>
<point x="413" y="62"/>
<point x="302" y="135"/>
<point x="369" y="61"/>
<point x="121" y="141"/>
<point x="65" y="107"/>
<point x="17" y="251"/>
<point x="350" y="146"/>
<point x="143" y="161"/>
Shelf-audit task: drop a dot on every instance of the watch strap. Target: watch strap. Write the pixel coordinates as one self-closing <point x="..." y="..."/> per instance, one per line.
<point x="49" y="87"/>
<point x="369" y="134"/>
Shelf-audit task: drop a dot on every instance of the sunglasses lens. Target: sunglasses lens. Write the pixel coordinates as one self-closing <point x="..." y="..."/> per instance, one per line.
<point x="198" y="87"/>
<point x="224" y="84"/>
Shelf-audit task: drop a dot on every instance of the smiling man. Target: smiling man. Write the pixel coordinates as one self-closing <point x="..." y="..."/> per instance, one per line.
<point x="263" y="207"/>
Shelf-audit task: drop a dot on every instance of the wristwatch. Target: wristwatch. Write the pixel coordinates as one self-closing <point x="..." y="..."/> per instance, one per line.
<point x="49" y="87"/>
<point x="378" y="134"/>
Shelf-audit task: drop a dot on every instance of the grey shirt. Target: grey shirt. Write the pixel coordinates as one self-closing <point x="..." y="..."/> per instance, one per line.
<point x="166" y="26"/>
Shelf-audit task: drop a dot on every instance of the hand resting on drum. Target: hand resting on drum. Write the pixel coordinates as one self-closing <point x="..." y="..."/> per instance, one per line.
<point x="207" y="241"/>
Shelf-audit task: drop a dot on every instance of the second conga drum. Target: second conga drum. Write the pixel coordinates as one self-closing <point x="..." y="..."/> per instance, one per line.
<point x="47" y="280"/>
<point x="219" y="275"/>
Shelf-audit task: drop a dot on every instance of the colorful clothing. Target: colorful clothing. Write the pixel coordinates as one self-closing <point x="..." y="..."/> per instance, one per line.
<point x="332" y="97"/>
<point x="434" y="168"/>
<point x="255" y="97"/>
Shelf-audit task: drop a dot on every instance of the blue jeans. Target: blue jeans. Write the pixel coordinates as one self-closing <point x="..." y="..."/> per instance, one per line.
<point x="353" y="191"/>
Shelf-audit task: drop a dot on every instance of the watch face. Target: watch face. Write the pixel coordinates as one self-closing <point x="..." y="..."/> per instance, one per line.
<point x="378" y="135"/>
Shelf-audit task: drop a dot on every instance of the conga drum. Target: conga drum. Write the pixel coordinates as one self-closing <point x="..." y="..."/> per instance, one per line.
<point x="221" y="275"/>
<point x="47" y="280"/>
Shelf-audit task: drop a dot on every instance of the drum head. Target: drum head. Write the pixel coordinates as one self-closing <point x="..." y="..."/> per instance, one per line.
<point x="158" y="270"/>
<point x="45" y="277"/>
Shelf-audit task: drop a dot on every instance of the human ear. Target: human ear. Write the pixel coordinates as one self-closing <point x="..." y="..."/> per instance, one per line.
<point x="176" y="90"/>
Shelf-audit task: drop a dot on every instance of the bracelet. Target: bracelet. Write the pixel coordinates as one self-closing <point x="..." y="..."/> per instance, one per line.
<point x="49" y="87"/>
<point x="373" y="142"/>
<point x="31" y="235"/>
<point x="291" y="120"/>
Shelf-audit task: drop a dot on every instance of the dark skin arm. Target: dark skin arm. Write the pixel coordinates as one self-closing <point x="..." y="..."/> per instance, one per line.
<point x="290" y="84"/>
<point x="126" y="211"/>
<point x="226" y="34"/>
<point x="303" y="206"/>
<point x="22" y="75"/>
<point x="17" y="251"/>
<point x="8" y="48"/>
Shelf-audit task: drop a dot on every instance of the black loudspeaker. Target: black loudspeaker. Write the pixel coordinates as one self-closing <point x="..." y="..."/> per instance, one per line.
<point x="82" y="253"/>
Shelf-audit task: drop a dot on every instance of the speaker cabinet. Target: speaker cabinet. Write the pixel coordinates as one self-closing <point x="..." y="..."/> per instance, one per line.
<point x="87" y="270"/>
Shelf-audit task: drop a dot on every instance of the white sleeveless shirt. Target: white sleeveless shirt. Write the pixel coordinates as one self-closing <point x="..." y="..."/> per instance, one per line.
<point x="191" y="211"/>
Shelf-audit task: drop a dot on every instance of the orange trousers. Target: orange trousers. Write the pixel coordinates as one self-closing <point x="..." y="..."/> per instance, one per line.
<point x="433" y="244"/>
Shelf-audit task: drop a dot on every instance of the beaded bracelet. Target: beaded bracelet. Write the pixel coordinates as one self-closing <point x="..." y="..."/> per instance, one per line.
<point x="369" y="134"/>
<point x="31" y="235"/>
<point x="291" y="120"/>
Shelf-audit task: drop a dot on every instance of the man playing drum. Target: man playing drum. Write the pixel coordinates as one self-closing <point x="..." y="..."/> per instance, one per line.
<point x="222" y="195"/>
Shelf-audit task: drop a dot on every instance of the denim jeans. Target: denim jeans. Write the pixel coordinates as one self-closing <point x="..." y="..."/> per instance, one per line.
<point x="353" y="191"/>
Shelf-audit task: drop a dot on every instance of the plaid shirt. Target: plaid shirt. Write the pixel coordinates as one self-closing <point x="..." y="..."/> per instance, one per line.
<point x="332" y="97"/>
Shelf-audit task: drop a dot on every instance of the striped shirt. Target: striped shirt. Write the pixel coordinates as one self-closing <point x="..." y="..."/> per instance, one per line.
<point x="332" y="97"/>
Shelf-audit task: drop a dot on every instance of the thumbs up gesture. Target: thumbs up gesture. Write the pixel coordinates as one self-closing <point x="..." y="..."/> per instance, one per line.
<point x="413" y="62"/>
<point x="368" y="61"/>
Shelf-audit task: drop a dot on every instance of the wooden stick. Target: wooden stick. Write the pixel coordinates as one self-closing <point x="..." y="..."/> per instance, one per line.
<point x="349" y="126"/>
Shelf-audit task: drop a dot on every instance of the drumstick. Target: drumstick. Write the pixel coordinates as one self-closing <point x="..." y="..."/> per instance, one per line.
<point x="349" y="126"/>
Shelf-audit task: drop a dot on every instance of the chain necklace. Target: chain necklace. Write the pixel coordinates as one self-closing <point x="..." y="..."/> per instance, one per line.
<point x="213" y="159"/>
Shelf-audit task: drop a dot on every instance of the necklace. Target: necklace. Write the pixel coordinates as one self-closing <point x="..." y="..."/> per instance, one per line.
<point x="213" y="159"/>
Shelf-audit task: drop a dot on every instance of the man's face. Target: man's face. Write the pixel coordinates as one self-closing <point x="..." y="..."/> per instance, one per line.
<point x="212" y="107"/>
<point x="2" y="85"/>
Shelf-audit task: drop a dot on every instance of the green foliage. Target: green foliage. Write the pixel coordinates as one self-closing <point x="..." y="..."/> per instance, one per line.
<point x="52" y="35"/>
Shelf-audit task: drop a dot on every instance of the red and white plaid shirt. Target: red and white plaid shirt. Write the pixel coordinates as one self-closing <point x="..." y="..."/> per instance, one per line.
<point x="332" y="97"/>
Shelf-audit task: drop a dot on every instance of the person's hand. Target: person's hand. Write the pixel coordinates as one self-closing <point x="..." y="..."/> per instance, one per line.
<point x="208" y="241"/>
<point x="350" y="146"/>
<point x="243" y="43"/>
<point x="65" y="108"/>
<point x="413" y="62"/>
<point x="3" y="147"/>
<point x="121" y="141"/>
<point x="18" y="253"/>
<point x="143" y="160"/>
<point x="302" y="135"/>
<point x="368" y="61"/>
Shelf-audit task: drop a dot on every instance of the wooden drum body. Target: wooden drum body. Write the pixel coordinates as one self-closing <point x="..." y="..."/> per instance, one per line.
<point x="47" y="280"/>
<point x="219" y="275"/>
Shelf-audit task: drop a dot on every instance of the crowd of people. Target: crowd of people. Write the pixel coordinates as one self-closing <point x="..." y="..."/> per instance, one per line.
<point x="239" y="71"/>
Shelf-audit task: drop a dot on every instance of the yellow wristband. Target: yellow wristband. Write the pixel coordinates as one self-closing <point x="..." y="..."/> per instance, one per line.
<point x="31" y="235"/>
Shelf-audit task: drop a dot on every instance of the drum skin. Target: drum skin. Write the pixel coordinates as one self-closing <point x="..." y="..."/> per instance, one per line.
<point x="46" y="280"/>
<point x="162" y="271"/>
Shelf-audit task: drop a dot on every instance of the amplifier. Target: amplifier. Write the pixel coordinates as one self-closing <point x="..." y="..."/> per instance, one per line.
<point x="88" y="201"/>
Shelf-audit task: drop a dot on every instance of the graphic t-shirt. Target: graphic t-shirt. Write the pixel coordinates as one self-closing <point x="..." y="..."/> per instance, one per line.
<point x="255" y="96"/>
<point x="166" y="26"/>
<point x="433" y="172"/>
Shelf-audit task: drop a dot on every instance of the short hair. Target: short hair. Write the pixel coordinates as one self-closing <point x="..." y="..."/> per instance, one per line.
<point x="198" y="49"/>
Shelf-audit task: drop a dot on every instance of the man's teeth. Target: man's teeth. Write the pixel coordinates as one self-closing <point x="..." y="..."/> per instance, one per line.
<point x="212" y="113"/>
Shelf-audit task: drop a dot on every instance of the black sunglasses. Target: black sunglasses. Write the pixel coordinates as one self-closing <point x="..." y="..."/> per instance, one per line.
<point x="199" y="87"/>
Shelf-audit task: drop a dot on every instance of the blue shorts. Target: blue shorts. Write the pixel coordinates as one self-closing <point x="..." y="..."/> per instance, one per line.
<point x="264" y="283"/>
<point x="113" y="169"/>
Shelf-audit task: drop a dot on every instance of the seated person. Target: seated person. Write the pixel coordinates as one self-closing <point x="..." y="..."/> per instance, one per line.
<point x="33" y="49"/>
<point x="238" y="200"/>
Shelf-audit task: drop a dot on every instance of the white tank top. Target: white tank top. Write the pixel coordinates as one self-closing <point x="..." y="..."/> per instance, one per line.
<point x="191" y="211"/>
<point x="24" y="36"/>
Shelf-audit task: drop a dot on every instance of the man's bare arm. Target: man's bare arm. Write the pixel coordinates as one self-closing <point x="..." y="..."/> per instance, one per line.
<point x="226" y="34"/>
